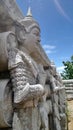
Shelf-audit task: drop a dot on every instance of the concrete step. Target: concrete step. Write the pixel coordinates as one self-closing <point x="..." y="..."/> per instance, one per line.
<point x="69" y="91"/>
<point x="68" y="88"/>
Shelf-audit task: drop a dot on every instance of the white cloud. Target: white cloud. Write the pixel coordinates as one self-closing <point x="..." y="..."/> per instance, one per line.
<point x="61" y="10"/>
<point x="49" y="49"/>
<point x="60" y="69"/>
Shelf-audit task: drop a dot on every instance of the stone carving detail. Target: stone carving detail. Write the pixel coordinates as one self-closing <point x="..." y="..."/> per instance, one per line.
<point x="23" y="74"/>
<point x="6" y="111"/>
<point x="37" y="96"/>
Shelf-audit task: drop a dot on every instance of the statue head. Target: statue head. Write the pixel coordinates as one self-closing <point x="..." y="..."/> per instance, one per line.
<point x="32" y="32"/>
<point x="29" y="38"/>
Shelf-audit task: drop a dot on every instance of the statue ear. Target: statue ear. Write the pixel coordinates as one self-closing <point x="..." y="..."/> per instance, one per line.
<point x="20" y="32"/>
<point x="12" y="41"/>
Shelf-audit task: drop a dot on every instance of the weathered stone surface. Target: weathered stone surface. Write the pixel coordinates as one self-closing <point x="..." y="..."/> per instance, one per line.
<point x="57" y="124"/>
<point x="25" y="119"/>
<point x="6" y="111"/>
<point x="9" y="11"/>
<point x="56" y="111"/>
<point x="36" y="91"/>
<point x="63" y="121"/>
<point x="5" y="40"/>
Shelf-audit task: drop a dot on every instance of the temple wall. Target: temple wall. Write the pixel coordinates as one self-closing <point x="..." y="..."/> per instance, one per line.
<point x="69" y="88"/>
<point x="44" y="104"/>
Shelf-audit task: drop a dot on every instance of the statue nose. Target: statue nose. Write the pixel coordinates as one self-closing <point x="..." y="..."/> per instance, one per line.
<point x="38" y="39"/>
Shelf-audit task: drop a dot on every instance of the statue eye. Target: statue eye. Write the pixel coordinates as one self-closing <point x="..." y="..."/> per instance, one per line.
<point x="22" y="33"/>
<point x="35" y="32"/>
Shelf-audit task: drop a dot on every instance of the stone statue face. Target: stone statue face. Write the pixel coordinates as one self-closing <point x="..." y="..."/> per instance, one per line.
<point x="32" y="38"/>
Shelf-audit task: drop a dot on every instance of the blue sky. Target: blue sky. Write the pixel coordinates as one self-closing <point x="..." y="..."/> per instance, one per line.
<point x="55" y="18"/>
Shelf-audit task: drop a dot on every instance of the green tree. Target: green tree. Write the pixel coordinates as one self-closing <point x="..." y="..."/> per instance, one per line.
<point x="68" y="69"/>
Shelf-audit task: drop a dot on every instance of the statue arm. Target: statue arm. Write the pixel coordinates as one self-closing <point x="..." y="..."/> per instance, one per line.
<point x="22" y="76"/>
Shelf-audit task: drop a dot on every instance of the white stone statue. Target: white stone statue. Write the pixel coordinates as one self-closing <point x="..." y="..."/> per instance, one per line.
<point x="32" y="44"/>
<point x="31" y="92"/>
<point x="22" y="68"/>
